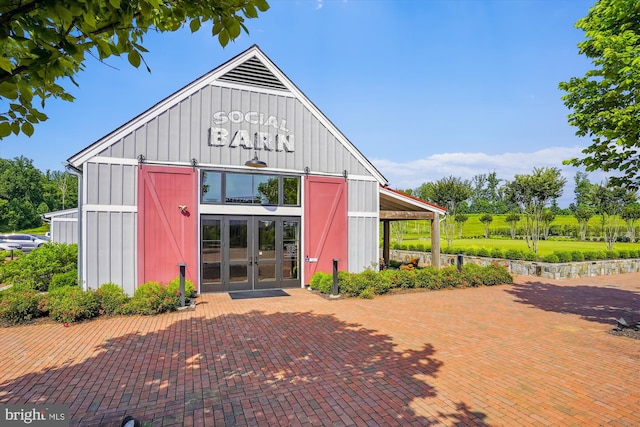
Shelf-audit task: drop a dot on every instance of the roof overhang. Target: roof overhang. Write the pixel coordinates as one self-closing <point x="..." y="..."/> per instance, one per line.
<point x="398" y="206"/>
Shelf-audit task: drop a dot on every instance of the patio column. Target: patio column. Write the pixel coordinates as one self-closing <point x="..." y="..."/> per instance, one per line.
<point x="435" y="240"/>
<point x="386" y="241"/>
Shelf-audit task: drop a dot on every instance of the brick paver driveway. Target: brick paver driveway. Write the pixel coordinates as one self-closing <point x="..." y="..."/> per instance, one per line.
<point x="533" y="353"/>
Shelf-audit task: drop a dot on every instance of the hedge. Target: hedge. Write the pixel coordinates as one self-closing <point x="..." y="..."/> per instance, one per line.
<point x="369" y="283"/>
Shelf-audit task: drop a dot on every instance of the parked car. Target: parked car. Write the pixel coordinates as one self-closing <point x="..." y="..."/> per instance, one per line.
<point x="28" y="242"/>
<point x="10" y="247"/>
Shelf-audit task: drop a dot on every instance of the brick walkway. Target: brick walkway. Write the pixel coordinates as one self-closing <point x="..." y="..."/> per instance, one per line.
<point x="534" y="353"/>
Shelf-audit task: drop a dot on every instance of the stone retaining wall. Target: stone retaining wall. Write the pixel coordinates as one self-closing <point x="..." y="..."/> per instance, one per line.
<point x="563" y="270"/>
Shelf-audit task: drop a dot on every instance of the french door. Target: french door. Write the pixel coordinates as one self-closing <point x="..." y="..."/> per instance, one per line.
<point x="241" y="253"/>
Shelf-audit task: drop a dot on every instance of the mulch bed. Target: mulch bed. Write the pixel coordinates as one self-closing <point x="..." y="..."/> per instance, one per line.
<point x="633" y="332"/>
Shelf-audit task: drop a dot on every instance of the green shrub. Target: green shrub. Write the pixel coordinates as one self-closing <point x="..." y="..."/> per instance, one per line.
<point x="357" y="283"/>
<point x="612" y="254"/>
<point x="20" y="304"/>
<point x="189" y="287"/>
<point x="40" y="265"/>
<point x="367" y="293"/>
<point x="70" y="304"/>
<point x="394" y="264"/>
<point x="563" y="256"/>
<point x="111" y="298"/>
<point x="497" y="253"/>
<point x="404" y="279"/>
<point x="60" y="280"/>
<point x="577" y="256"/>
<point x="590" y="255"/>
<point x="601" y="255"/>
<point x="151" y="298"/>
<point x="484" y="252"/>
<point x="514" y="254"/>
<point x="530" y="256"/>
<point x="633" y="253"/>
<point x="322" y="282"/>
<point x="623" y="253"/>
<point x="553" y="258"/>
<point x="452" y="278"/>
<point x="428" y="277"/>
<point x="472" y="275"/>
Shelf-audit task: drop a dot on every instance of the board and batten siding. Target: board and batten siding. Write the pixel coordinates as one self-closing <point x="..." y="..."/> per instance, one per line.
<point x="63" y="226"/>
<point x="110" y="224"/>
<point x="363" y="225"/>
<point x="181" y="133"/>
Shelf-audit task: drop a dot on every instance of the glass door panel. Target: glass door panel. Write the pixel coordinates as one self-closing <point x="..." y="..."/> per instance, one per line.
<point x="211" y="255"/>
<point x="290" y="250"/>
<point x="239" y="255"/>
<point x="265" y="257"/>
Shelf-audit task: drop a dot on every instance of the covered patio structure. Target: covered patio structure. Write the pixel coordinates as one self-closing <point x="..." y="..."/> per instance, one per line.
<point x="397" y="206"/>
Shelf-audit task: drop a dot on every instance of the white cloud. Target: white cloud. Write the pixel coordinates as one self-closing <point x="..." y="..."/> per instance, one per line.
<point x="414" y="173"/>
<point x="319" y="4"/>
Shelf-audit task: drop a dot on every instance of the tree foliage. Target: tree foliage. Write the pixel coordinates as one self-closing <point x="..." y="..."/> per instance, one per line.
<point x="605" y="102"/>
<point x="26" y="193"/>
<point x="532" y="193"/>
<point x="609" y="201"/>
<point x="43" y="42"/>
<point x="450" y="193"/>
<point x="486" y="221"/>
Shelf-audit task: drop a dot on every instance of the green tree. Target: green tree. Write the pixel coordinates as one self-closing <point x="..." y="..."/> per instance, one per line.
<point x="486" y="221"/>
<point x="631" y="214"/>
<point x="604" y="103"/>
<point x="581" y="190"/>
<point x="548" y="215"/>
<point x="44" y="42"/>
<point x="460" y="221"/>
<point x="450" y="193"/>
<point x="532" y="193"/>
<point x="583" y="214"/>
<point x="609" y="201"/>
<point x="513" y="219"/>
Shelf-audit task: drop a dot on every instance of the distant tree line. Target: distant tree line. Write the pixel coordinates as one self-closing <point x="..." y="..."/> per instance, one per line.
<point x="531" y="201"/>
<point x="26" y="193"/>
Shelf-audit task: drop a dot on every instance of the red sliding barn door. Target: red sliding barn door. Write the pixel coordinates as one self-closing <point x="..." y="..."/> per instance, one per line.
<point x="326" y="224"/>
<point x="167" y="223"/>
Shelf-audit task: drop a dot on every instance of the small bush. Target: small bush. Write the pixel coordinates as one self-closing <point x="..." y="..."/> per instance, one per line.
<point x="40" y="265"/>
<point x="70" y="304"/>
<point x="623" y="253"/>
<point x="553" y="258"/>
<point x="394" y="264"/>
<point x="367" y="293"/>
<point x="514" y="254"/>
<point x="428" y="277"/>
<point x="530" y="256"/>
<point x="612" y="254"/>
<point x="20" y="304"/>
<point x="151" y="298"/>
<point x="451" y="278"/>
<point x="322" y="282"/>
<point x="60" y="280"/>
<point x="189" y="287"/>
<point x="590" y="255"/>
<point x="112" y="298"/>
<point x="563" y="256"/>
<point x="577" y="256"/>
<point x="633" y="253"/>
<point x="497" y="253"/>
<point x="404" y="279"/>
<point x="484" y="252"/>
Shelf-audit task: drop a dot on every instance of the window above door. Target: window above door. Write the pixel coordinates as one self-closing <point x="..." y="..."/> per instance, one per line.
<point x="249" y="189"/>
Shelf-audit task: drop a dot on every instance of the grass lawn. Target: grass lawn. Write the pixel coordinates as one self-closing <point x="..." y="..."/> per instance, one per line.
<point x="545" y="246"/>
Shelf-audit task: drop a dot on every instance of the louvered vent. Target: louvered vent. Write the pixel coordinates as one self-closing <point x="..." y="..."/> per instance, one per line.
<point x="253" y="72"/>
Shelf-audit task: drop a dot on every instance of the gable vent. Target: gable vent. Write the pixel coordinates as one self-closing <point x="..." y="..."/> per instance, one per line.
<point x="253" y="72"/>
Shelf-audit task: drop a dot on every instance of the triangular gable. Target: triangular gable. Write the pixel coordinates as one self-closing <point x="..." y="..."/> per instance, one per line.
<point x="251" y="67"/>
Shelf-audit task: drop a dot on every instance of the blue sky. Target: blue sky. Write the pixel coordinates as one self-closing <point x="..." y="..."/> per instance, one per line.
<point x="425" y="89"/>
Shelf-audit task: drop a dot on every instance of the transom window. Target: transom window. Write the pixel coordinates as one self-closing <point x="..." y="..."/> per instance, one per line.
<point x="249" y="189"/>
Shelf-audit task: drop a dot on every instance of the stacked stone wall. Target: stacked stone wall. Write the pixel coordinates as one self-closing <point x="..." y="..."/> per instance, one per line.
<point x="564" y="270"/>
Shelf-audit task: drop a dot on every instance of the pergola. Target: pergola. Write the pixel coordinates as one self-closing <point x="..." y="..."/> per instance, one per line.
<point x="397" y="206"/>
